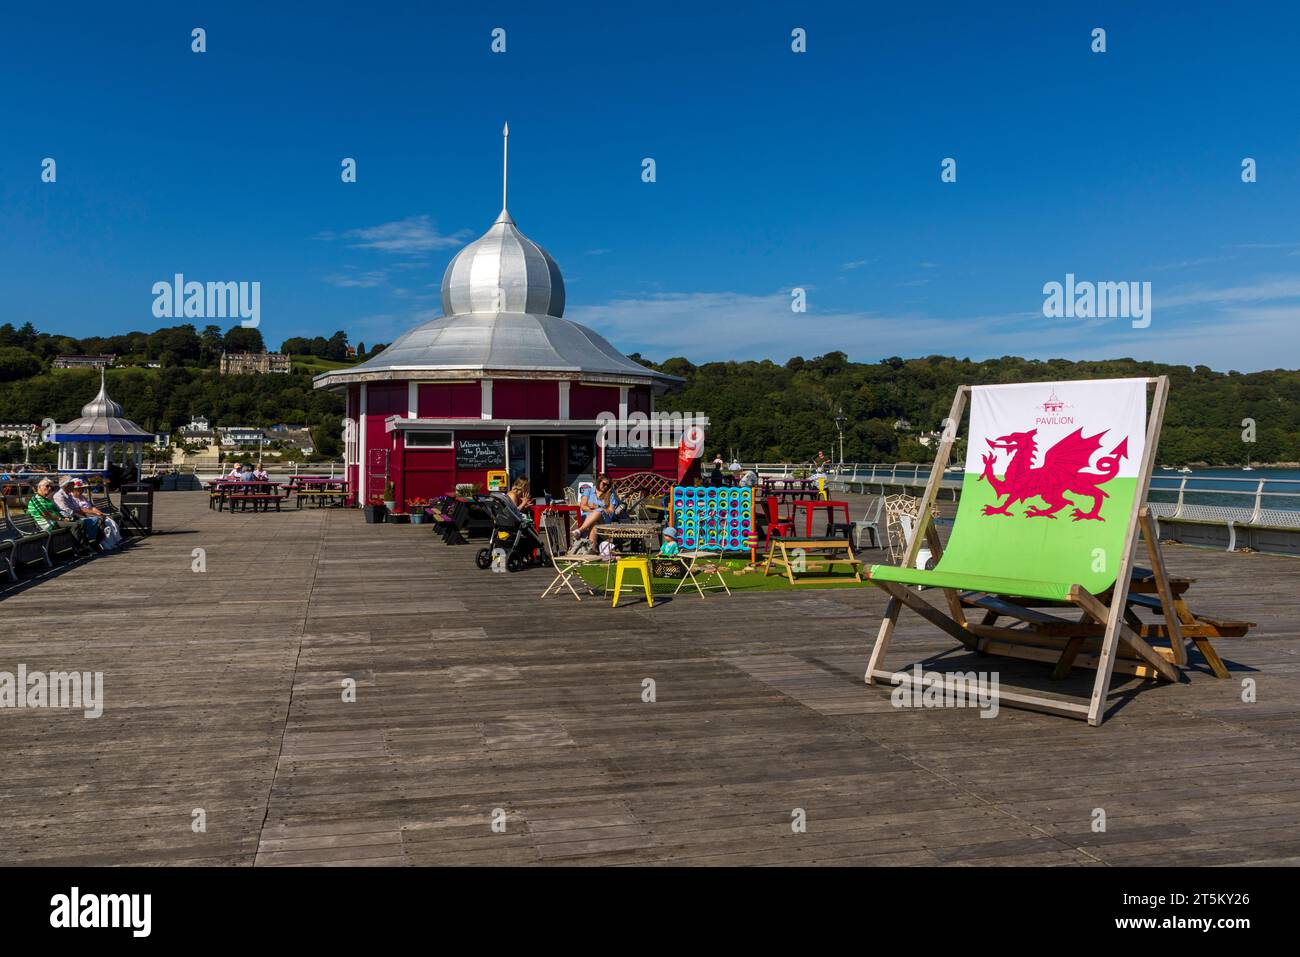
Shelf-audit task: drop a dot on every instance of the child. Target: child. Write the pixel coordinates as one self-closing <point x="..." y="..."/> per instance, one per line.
<point x="669" y="547"/>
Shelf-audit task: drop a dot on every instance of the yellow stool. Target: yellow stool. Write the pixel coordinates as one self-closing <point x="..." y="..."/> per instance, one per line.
<point x="638" y="564"/>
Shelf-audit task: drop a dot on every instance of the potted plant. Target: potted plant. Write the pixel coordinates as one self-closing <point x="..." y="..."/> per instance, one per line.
<point x="417" y="507"/>
<point x="375" y="510"/>
<point x="389" y="495"/>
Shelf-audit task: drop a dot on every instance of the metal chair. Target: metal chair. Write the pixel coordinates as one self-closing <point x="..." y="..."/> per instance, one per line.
<point x="870" y="522"/>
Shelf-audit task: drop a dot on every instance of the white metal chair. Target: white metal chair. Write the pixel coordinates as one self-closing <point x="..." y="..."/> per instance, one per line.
<point x="689" y="560"/>
<point x="870" y="522"/>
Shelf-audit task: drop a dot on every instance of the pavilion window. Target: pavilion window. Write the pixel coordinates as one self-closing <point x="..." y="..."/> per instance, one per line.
<point x="429" y="440"/>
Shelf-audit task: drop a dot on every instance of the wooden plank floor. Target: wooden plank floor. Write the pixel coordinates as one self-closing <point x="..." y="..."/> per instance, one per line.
<point x="223" y="692"/>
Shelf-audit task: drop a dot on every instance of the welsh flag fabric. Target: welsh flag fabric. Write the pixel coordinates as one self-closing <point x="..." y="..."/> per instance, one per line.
<point x="1050" y="477"/>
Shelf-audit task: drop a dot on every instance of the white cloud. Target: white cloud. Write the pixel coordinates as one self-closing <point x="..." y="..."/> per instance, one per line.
<point x="415" y="234"/>
<point x="363" y="280"/>
<point x="1246" y="331"/>
<point x="706" y="326"/>
<point x="1280" y="287"/>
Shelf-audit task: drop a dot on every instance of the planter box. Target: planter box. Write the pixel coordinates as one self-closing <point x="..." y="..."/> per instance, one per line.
<point x="374" y="513"/>
<point x="395" y="518"/>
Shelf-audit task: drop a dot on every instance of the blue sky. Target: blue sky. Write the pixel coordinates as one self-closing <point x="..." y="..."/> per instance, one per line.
<point x="775" y="170"/>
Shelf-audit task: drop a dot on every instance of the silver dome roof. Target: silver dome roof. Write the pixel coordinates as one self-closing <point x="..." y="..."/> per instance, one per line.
<point x="101" y="406"/>
<point x="503" y="271"/>
<point x="101" y="418"/>
<point x="497" y="342"/>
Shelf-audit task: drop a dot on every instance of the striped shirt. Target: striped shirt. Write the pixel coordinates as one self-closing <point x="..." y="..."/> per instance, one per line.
<point x="43" y="510"/>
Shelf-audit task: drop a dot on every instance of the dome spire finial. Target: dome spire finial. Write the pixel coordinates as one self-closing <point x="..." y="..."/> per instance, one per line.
<point x="505" y="162"/>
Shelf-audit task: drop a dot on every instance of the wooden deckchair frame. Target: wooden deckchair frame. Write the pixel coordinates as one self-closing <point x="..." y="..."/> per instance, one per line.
<point x="1066" y="644"/>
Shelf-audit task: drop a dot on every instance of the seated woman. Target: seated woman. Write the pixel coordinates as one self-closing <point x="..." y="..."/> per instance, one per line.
<point x="519" y="496"/>
<point x="598" y="507"/>
<point x="70" y="509"/>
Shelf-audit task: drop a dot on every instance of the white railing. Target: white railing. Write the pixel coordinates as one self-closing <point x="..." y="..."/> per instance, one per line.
<point x="1253" y="501"/>
<point x="1258" y="500"/>
<point x="332" y="469"/>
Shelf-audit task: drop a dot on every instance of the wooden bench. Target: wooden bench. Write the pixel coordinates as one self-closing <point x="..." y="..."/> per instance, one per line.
<point x="256" y="499"/>
<point x="778" y="554"/>
<point x="320" y="496"/>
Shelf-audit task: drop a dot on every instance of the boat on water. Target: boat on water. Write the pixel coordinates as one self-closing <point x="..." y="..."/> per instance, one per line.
<point x="1184" y="471"/>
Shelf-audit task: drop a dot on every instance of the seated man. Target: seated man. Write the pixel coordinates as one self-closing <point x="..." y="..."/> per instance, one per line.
<point x="70" y="508"/>
<point x="46" y="514"/>
<point x="598" y="507"/>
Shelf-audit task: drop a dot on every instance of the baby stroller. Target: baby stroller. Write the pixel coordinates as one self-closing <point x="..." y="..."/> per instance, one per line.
<point x="513" y="533"/>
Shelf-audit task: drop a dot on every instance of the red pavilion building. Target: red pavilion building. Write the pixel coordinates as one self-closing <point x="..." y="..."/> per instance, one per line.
<point x="501" y="381"/>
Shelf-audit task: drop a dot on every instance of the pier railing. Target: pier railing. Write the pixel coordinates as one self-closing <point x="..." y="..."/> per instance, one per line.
<point x="1258" y="503"/>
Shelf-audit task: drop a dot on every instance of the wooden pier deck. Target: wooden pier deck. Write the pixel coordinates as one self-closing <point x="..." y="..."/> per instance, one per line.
<point x="224" y="692"/>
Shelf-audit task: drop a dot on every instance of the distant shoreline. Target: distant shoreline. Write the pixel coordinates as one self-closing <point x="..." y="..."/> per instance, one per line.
<point x="1256" y="466"/>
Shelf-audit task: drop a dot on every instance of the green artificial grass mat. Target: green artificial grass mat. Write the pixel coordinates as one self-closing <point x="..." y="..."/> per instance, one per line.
<point x="732" y="573"/>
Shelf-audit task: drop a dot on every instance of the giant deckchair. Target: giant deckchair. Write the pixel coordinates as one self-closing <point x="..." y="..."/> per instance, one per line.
<point x="1052" y="499"/>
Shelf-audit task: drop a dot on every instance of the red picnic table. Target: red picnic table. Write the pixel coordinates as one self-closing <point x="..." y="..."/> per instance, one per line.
<point x="810" y="507"/>
<point x="257" y="495"/>
<point x="319" y="489"/>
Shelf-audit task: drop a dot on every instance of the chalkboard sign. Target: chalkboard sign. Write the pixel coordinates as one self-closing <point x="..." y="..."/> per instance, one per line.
<point x="581" y="452"/>
<point x="480" y="453"/>
<point x="629" y="456"/>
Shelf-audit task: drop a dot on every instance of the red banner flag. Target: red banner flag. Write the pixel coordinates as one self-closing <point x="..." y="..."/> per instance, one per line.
<point x="689" y="449"/>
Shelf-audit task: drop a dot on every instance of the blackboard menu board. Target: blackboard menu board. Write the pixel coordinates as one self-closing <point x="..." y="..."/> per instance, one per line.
<point x="581" y="454"/>
<point x="628" y="456"/>
<point x="481" y="453"/>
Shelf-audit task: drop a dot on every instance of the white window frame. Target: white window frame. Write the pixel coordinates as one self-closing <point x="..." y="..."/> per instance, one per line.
<point x="408" y="433"/>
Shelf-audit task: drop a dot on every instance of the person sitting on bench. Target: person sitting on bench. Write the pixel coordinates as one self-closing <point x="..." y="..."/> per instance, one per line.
<point x="46" y="514"/>
<point x="70" y="509"/>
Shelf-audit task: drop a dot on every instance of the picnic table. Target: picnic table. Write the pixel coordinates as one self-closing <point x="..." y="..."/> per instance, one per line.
<point x="255" y="496"/>
<point x="320" y="489"/>
<point x="790" y="490"/>
<point x="840" y="552"/>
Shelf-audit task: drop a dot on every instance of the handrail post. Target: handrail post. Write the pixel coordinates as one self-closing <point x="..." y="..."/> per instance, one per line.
<point x="1178" y="508"/>
<point x="1259" y="503"/>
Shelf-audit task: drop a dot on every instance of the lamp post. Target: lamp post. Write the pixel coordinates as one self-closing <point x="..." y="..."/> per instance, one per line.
<point x="839" y="427"/>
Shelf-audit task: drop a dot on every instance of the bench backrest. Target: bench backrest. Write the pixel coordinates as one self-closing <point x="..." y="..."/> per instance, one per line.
<point x="1049" y="447"/>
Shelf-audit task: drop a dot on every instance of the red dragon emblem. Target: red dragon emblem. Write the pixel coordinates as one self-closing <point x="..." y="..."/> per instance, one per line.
<point x="1062" y="471"/>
